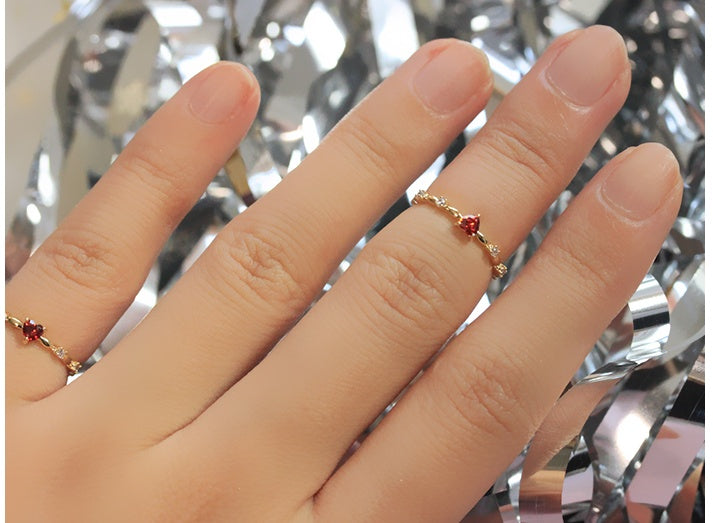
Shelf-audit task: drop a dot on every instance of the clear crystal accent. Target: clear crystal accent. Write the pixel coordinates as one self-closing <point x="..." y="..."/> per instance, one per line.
<point x="116" y="62"/>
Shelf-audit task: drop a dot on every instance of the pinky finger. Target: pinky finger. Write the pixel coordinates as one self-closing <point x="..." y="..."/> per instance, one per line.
<point x="473" y="411"/>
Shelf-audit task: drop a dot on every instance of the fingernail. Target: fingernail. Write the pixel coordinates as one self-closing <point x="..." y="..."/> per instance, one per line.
<point x="451" y="78"/>
<point x="640" y="184"/>
<point x="221" y="93"/>
<point x="588" y="66"/>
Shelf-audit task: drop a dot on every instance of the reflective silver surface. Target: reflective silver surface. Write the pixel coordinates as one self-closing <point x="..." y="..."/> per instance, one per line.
<point x="77" y="94"/>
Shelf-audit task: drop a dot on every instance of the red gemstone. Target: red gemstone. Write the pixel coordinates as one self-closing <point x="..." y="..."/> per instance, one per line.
<point x="32" y="330"/>
<point x="470" y="224"/>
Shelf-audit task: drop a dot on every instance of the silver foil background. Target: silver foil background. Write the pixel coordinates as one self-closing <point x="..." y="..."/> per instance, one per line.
<point x="637" y="449"/>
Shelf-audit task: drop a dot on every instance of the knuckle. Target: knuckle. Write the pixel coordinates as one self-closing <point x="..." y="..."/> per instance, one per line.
<point x="581" y="265"/>
<point x="185" y="491"/>
<point x="480" y="395"/>
<point x="255" y="264"/>
<point x="155" y="173"/>
<point x="86" y="259"/>
<point x="404" y="282"/>
<point x="517" y="143"/>
<point x="370" y="146"/>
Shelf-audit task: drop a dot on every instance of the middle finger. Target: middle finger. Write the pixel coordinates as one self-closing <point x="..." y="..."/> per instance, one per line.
<point x="417" y="280"/>
<point x="266" y="266"/>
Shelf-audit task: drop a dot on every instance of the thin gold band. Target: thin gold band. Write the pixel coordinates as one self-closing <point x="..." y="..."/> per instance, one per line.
<point x="470" y="224"/>
<point x="35" y="332"/>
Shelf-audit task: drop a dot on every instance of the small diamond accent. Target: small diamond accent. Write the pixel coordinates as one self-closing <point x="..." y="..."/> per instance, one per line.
<point x="500" y="270"/>
<point x="441" y="201"/>
<point x="60" y="352"/>
<point x="494" y="251"/>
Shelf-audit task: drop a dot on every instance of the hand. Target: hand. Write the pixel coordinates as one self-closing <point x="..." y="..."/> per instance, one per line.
<point x="184" y="420"/>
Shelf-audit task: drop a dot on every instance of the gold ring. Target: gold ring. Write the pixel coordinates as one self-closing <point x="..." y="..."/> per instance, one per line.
<point x="470" y="224"/>
<point x="33" y="331"/>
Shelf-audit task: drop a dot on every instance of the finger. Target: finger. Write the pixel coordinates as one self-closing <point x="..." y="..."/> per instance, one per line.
<point x="86" y="273"/>
<point x="484" y="397"/>
<point x="417" y="280"/>
<point x="265" y="268"/>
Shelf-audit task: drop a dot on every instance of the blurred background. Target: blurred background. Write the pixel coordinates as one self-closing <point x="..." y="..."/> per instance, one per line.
<point x="82" y="76"/>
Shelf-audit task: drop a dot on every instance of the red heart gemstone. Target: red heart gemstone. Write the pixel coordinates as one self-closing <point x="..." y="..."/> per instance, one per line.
<point x="32" y="330"/>
<point x="470" y="224"/>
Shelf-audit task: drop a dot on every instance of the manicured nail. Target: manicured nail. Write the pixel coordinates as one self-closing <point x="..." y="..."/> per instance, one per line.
<point x="589" y="65"/>
<point x="451" y="78"/>
<point x="221" y="93"/>
<point x="642" y="181"/>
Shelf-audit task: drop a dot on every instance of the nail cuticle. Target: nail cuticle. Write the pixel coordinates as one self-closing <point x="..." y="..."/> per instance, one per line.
<point x="441" y="90"/>
<point x="641" y="183"/>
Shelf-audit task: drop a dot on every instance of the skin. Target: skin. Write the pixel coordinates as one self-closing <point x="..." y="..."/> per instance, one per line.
<point x="181" y="422"/>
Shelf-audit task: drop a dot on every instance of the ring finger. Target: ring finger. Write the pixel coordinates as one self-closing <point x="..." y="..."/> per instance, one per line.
<point x="419" y="278"/>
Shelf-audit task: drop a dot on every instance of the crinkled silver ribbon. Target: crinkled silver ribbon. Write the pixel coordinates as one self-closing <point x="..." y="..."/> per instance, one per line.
<point x="633" y="450"/>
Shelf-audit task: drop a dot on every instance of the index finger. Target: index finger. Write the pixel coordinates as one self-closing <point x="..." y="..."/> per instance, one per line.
<point x="82" y="278"/>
